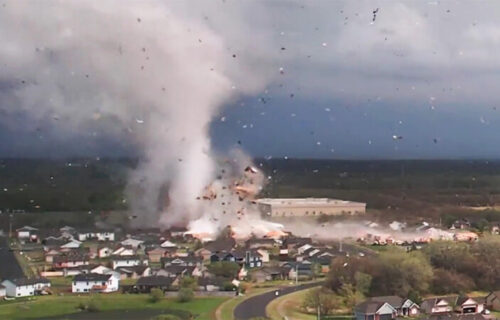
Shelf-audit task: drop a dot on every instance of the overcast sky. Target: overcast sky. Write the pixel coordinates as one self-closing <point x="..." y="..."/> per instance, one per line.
<point x="325" y="79"/>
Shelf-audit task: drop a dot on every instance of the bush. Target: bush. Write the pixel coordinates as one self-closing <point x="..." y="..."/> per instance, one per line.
<point x="93" y="306"/>
<point x="166" y="317"/>
<point x="156" y="295"/>
<point x="185" y="295"/>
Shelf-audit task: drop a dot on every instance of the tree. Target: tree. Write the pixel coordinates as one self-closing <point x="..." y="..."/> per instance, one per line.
<point x="349" y="295"/>
<point x="316" y="270"/>
<point x="189" y="283"/>
<point x="185" y="295"/>
<point x="321" y="298"/>
<point x="226" y="269"/>
<point x="363" y="282"/>
<point x="156" y="295"/>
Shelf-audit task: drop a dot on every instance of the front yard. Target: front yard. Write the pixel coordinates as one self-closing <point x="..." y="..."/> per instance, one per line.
<point x="49" y="306"/>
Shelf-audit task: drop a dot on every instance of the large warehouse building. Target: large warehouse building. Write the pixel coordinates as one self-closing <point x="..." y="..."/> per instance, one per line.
<point x="299" y="207"/>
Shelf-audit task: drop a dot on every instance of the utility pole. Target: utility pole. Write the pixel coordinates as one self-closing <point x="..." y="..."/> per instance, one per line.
<point x="296" y="274"/>
<point x="319" y="312"/>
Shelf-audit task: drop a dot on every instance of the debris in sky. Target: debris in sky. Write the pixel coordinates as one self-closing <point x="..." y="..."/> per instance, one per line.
<point x="435" y="140"/>
<point x="375" y="14"/>
<point x="395" y="137"/>
<point x="234" y="56"/>
<point x="328" y="109"/>
<point x="139" y="121"/>
<point x="223" y="119"/>
<point x="139" y="20"/>
<point x="324" y="44"/>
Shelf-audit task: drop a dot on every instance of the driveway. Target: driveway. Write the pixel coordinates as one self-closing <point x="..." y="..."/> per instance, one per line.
<point x="256" y="306"/>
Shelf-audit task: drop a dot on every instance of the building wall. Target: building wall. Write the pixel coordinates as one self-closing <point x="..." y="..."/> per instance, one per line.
<point x="125" y="263"/>
<point x="311" y="209"/>
<point x="14" y="291"/>
<point x="86" y="286"/>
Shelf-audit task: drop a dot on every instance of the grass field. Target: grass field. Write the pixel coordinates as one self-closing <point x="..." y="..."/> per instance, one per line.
<point x="49" y="306"/>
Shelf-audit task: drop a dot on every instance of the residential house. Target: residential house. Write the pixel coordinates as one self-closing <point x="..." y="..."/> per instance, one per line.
<point x="70" y="260"/>
<point x="99" y="235"/>
<point x="298" y="269"/>
<point x="259" y="243"/>
<point x="264" y="255"/>
<point x="492" y="301"/>
<point x="168" y="244"/>
<point x="124" y="250"/>
<point x="24" y="287"/>
<point x="182" y="261"/>
<point x="180" y="271"/>
<point x="95" y="282"/>
<point x="295" y="242"/>
<point x="269" y="274"/>
<point x="460" y="304"/>
<point x="27" y="233"/>
<point x="374" y="310"/>
<point x="134" y="243"/>
<point x="155" y="255"/>
<point x="145" y="284"/>
<point x="204" y="253"/>
<point x="438" y="305"/>
<point x="72" y="244"/>
<point x="126" y="261"/>
<point x="251" y="258"/>
<point x="465" y="304"/>
<point x="134" y="272"/>
<point x="222" y="256"/>
<point x="68" y="232"/>
<point x="49" y="255"/>
<point x="3" y="291"/>
<point x="404" y="307"/>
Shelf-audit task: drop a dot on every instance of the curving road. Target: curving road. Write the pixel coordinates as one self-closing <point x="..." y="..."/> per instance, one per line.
<point x="256" y="306"/>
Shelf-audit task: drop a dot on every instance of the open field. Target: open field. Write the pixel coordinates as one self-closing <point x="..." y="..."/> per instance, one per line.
<point x="50" y="306"/>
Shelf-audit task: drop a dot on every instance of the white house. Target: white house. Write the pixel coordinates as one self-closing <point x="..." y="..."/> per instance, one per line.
<point x="27" y="233"/>
<point x="105" y="236"/>
<point x="73" y="244"/>
<point x="126" y="261"/>
<point x="135" y="243"/>
<point x="124" y="251"/>
<point x="100" y="235"/>
<point x="168" y="244"/>
<point x="2" y="291"/>
<point x="94" y="282"/>
<point x="24" y="287"/>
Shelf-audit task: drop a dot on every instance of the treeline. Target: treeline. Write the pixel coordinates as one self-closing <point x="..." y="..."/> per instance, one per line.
<point x="440" y="268"/>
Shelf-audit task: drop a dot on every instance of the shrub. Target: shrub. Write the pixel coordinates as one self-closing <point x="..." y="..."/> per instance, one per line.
<point x="93" y="306"/>
<point x="166" y="317"/>
<point x="185" y="295"/>
<point x="156" y="295"/>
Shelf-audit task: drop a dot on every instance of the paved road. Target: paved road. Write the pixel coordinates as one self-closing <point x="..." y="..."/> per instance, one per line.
<point x="9" y="267"/>
<point x="256" y="306"/>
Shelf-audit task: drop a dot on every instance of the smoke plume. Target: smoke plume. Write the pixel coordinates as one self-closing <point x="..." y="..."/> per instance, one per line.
<point x="140" y="69"/>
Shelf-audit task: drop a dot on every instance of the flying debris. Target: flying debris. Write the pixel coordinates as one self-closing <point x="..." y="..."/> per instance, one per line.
<point x="435" y="140"/>
<point x="375" y="14"/>
<point x="139" y="121"/>
<point x="251" y="169"/>
<point x="395" y="137"/>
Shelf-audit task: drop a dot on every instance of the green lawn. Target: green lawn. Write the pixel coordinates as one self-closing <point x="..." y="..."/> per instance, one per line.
<point x="48" y="306"/>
